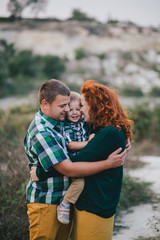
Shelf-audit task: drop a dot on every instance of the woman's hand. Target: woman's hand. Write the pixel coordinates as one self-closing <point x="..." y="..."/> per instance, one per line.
<point x="128" y="145"/>
<point x="33" y="174"/>
<point x="116" y="158"/>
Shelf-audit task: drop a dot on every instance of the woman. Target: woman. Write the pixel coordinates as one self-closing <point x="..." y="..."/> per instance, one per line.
<point x="96" y="206"/>
<point x="95" y="209"/>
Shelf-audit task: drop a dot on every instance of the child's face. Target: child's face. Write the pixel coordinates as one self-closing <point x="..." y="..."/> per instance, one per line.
<point x="74" y="114"/>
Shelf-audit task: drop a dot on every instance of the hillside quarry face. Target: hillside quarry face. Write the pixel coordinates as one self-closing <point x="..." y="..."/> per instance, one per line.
<point x="62" y="38"/>
<point x="131" y="53"/>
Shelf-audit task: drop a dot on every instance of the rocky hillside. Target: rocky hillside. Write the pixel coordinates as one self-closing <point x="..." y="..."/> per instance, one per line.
<point x="119" y="54"/>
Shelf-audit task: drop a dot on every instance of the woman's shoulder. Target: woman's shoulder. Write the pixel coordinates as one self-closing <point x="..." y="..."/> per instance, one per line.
<point x="110" y="130"/>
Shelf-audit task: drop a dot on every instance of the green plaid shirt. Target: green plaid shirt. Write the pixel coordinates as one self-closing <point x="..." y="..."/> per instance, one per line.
<point x="78" y="132"/>
<point x="45" y="146"/>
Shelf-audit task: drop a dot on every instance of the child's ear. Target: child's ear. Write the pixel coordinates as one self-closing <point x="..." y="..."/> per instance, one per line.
<point x="44" y="104"/>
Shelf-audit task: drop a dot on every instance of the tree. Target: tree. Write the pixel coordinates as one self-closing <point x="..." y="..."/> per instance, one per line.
<point x="16" y="7"/>
<point x="80" y="16"/>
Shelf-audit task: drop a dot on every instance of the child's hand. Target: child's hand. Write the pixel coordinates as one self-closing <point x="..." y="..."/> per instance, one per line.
<point x="33" y="174"/>
<point x="91" y="136"/>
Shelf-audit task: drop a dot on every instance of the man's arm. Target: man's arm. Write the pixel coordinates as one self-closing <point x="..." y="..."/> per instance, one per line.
<point x="82" y="169"/>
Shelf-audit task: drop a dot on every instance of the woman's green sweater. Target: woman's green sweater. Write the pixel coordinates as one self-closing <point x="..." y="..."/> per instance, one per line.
<point x="101" y="191"/>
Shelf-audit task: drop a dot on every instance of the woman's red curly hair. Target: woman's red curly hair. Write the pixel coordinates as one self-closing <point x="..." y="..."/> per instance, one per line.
<point x="105" y="108"/>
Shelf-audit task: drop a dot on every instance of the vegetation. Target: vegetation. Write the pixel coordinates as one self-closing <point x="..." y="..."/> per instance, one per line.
<point x="16" y="7"/>
<point x="13" y="176"/>
<point x="20" y="71"/>
<point x="14" y="173"/>
<point x="155" y="92"/>
<point x="134" y="193"/>
<point x="131" y="92"/>
<point x="146" y="122"/>
<point x="80" y="16"/>
<point x="79" y="53"/>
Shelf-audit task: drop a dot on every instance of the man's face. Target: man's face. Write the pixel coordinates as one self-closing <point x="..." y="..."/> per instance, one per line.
<point x="58" y="108"/>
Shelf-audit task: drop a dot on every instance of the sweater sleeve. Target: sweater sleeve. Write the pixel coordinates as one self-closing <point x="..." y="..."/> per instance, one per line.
<point x="106" y="141"/>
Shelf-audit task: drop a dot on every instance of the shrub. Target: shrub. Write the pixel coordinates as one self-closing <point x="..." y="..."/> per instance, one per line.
<point x="155" y="92"/>
<point x="141" y="115"/>
<point x="23" y="63"/>
<point x="13" y="178"/>
<point x="79" y="53"/>
<point x="134" y="193"/>
<point x="53" y="66"/>
<point x="80" y="16"/>
<point x="132" y="92"/>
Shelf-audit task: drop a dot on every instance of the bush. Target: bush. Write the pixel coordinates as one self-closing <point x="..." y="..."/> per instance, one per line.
<point x="80" y="16"/>
<point x="146" y="122"/>
<point x="13" y="178"/>
<point x="132" y="92"/>
<point x="155" y="92"/>
<point x="53" y="66"/>
<point x="4" y="73"/>
<point x="23" y="63"/>
<point x="141" y="115"/>
<point x="134" y="193"/>
<point x="79" y="53"/>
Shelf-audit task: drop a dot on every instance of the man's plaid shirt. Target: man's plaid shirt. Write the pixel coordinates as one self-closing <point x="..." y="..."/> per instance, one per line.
<point x="77" y="132"/>
<point x="45" y="146"/>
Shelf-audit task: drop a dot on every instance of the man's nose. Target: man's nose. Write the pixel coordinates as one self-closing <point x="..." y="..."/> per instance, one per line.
<point x="67" y="108"/>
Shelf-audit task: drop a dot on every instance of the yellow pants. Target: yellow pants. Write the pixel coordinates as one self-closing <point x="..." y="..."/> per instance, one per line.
<point x="44" y="224"/>
<point x="88" y="226"/>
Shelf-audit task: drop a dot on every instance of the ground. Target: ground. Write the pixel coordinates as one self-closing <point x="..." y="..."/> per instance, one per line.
<point x="143" y="222"/>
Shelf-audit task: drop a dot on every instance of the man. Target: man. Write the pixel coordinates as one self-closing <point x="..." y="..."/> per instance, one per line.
<point x="45" y="146"/>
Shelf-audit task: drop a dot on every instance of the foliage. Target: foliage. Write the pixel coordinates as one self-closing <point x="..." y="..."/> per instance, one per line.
<point x="146" y="122"/>
<point x="13" y="177"/>
<point x="155" y="92"/>
<point x="79" y="53"/>
<point x="54" y="66"/>
<point x="132" y="92"/>
<point x="134" y="193"/>
<point x="16" y="7"/>
<point x="141" y="115"/>
<point x="14" y="171"/>
<point x="4" y="73"/>
<point x="80" y="16"/>
<point x="20" y="71"/>
<point x="102" y="56"/>
<point x="23" y="63"/>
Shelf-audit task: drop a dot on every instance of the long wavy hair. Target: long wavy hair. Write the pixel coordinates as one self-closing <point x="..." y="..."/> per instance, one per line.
<point x="105" y="108"/>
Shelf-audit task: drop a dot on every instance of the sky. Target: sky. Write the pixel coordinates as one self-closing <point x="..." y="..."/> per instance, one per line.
<point x="141" y="12"/>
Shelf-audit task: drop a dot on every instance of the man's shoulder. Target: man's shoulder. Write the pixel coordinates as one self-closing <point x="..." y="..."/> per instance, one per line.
<point x="38" y="125"/>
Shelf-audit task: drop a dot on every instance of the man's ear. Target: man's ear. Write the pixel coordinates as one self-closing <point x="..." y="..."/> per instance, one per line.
<point x="44" y="104"/>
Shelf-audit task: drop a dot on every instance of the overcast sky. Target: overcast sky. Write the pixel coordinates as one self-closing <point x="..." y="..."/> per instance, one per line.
<point x="142" y="12"/>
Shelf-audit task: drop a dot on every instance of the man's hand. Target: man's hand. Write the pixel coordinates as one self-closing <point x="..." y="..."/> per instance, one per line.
<point x="128" y="145"/>
<point x="116" y="158"/>
<point x="33" y="174"/>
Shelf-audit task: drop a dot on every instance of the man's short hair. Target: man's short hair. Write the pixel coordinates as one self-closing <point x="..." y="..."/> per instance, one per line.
<point x="50" y="89"/>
